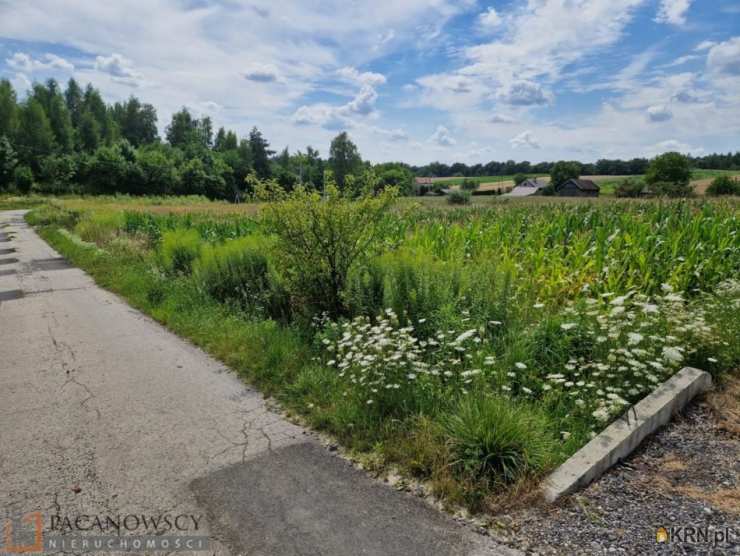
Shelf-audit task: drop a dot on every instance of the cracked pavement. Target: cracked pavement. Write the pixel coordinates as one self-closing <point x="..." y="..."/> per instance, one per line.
<point x="103" y="411"/>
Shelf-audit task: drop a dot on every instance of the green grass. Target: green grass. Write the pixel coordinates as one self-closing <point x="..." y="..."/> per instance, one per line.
<point x="519" y="314"/>
<point x="485" y="179"/>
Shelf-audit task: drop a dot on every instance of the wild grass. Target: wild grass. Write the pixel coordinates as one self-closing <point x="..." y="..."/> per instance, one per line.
<point x="473" y="347"/>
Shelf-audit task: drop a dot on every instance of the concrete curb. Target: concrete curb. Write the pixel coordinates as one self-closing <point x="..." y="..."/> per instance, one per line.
<point x="620" y="438"/>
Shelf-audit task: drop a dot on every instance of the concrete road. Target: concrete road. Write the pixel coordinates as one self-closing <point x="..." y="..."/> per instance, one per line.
<point x="105" y="413"/>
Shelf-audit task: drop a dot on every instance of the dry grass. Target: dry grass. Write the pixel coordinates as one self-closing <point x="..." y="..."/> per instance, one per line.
<point x="725" y="404"/>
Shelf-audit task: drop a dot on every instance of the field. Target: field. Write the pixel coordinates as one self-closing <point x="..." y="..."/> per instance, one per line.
<point x="700" y="180"/>
<point x="474" y="348"/>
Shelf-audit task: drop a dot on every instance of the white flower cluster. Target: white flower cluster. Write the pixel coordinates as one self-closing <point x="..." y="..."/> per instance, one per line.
<point x="635" y="343"/>
<point x="383" y="359"/>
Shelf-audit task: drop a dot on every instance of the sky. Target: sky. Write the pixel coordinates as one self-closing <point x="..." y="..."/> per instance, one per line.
<point x="410" y="80"/>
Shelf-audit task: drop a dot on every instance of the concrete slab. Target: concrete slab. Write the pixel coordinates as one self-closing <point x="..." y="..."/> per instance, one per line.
<point x="296" y="501"/>
<point x="620" y="438"/>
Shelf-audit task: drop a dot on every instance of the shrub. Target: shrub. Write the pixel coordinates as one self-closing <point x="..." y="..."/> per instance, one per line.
<point x="99" y="227"/>
<point x="469" y="185"/>
<point x="724" y="185"/>
<point x="497" y="440"/>
<point x="672" y="189"/>
<point x="439" y="188"/>
<point x="671" y="167"/>
<point x="179" y="249"/>
<point x="321" y="239"/>
<point x="23" y="178"/>
<point x="520" y="178"/>
<point x="459" y="197"/>
<point x="629" y="187"/>
<point x="238" y="272"/>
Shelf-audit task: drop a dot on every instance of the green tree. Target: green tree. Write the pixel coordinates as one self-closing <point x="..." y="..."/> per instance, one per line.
<point x="88" y="132"/>
<point x="260" y="154"/>
<point x="8" y="110"/>
<point x="724" y="185"/>
<point x="61" y="123"/>
<point x="344" y="158"/>
<point x="320" y="240"/>
<point x="520" y="178"/>
<point x="182" y="129"/>
<point x="563" y="171"/>
<point x="35" y="136"/>
<point x="137" y="122"/>
<point x="8" y="162"/>
<point x="671" y="167"/>
<point x="73" y="99"/>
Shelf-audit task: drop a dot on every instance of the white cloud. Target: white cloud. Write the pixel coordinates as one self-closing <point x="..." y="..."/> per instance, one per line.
<point x="673" y="145"/>
<point x="525" y="139"/>
<point x="261" y="73"/>
<point x="659" y="113"/>
<point x="673" y="11"/>
<point x="490" y="20"/>
<point x="501" y="119"/>
<point x="724" y="58"/>
<point x="119" y="68"/>
<point x="442" y="137"/>
<point x="704" y="45"/>
<point x="25" y="63"/>
<point x="368" y="78"/>
<point x="524" y="93"/>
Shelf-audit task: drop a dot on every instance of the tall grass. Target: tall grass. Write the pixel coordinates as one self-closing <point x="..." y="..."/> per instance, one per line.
<point x="471" y="346"/>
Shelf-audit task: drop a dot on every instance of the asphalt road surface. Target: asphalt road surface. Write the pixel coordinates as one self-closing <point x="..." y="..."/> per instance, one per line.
<point x="105" y="414"/>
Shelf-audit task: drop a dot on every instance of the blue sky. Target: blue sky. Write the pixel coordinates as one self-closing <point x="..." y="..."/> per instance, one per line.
<point x="411" y="80"/>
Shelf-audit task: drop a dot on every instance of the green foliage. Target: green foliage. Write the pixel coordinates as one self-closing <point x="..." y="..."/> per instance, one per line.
<point x="320" y="239"/>
<point x="520" y="178"/>
<point x="671" y="167"/>
<point x="239" y="272"/>
<point x="672" y="189"/>
<point x="58" y="173"/>
<point x="724" y="185"/>
<point x="496" y="439"/>
<point x="344" y="159"/>
<point x="456" y="197"/>
<point x="469" y="185"/>
<point x="8" y="162"/>
<point x="179" y="250"/>
<point x="563" y="171"/>
<point x="23" y="178"/>
<point x="629" y="187"/>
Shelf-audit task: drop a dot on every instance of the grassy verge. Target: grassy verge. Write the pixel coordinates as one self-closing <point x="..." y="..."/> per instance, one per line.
<point x="474" y="348"/>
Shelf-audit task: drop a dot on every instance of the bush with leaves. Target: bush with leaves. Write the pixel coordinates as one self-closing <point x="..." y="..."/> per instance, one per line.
<point x="23" y="178"/>
<point x="724" y="185"/>
<point x="321" y="238"/>
<point x="179" y="249"/>
<point x="239" y="272"/>
<point x="469" y="184"/>
<point x="459" y="197"/>
<point x="629" y="187"/>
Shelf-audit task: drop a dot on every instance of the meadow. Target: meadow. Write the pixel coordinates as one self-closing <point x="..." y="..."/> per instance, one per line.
<point x="474" y="348"/>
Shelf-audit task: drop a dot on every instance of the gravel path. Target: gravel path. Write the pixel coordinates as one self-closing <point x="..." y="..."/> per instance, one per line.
<point x="688" y="474"/>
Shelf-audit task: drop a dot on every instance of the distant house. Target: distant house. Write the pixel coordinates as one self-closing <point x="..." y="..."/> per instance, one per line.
<point x="526" y="188"/>
<point x="423" y="181"/>
<point x="577" y="188"/>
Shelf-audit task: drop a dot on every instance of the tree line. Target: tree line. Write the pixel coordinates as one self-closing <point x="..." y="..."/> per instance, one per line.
<point x="69" y="140"/>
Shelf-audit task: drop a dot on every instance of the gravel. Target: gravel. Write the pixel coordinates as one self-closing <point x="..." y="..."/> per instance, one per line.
<point x="687" y="474"/>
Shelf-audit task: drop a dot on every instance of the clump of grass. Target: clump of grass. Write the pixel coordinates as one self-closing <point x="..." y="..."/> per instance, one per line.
<point x="179" y="250"/>
<point x="496" y="440"/>
<point x="457" y="197"/>
<point x="99" y="227"/>
<point x="239" y="272"/>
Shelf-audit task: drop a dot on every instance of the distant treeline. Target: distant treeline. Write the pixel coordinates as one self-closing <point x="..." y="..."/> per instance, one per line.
<point x="69" y="140"/>
<point x="729" y="161"/>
